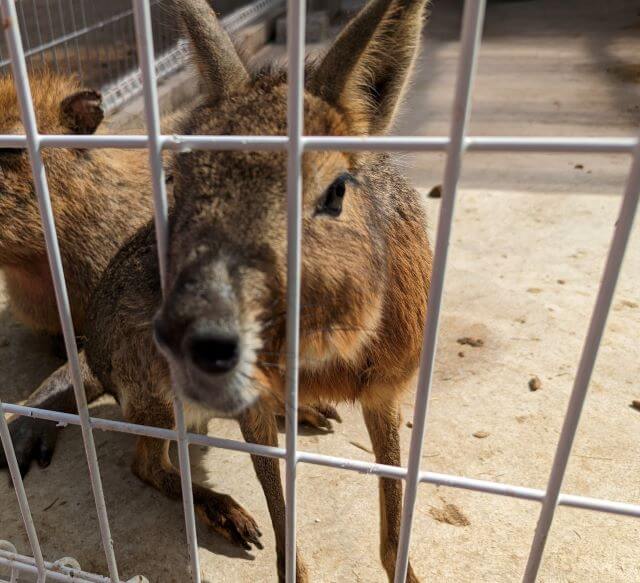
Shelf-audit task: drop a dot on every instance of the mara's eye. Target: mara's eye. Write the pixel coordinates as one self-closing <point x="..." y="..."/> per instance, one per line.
<point x="331" y="202"/>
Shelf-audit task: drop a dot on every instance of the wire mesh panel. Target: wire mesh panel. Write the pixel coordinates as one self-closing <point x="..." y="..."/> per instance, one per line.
<point x="77" y="36"/>
<point x="96" y="40"/>
<point x="294" y="143"/>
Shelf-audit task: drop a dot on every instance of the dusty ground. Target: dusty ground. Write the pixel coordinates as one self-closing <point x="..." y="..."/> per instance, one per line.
<point x="530" y="238"/>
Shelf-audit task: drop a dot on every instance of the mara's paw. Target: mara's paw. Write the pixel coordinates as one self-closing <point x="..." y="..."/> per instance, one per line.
<point x="33" y="440"/>
<point x="224" y="515"/>
<point x="317" y="416"/>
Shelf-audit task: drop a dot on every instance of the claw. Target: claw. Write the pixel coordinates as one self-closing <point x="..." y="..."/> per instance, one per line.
<point x="32" y="439"/>
<point x="329" y="411"/>
<point x="229" y="519"/>
<point x="318" y="416"/>
<point x="44" y="455"/>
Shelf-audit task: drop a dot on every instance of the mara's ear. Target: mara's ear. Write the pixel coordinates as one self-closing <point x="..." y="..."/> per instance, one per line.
<point x="217" y="59"/>
<point x="366" y="70"/>
<point x="81" y="112"/>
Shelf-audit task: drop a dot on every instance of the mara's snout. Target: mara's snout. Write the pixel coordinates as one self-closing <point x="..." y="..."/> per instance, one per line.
<point x="212" y="351"/>
<point x="211" y="363"/>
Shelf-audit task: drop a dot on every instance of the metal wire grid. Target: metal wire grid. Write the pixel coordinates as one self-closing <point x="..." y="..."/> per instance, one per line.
<point x="295" y="144"/>
<point x="173" y="59"/>
<point x="77" y="37"/>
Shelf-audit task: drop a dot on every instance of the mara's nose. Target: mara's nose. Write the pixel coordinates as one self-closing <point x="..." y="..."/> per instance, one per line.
<point x="213" y="351"/>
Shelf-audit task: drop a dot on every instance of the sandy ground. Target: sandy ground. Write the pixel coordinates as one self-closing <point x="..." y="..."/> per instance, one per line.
<point x="528" y="247"/>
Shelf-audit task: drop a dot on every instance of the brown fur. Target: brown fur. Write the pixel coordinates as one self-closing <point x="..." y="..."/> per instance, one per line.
<point x="365" y="273"/>
<point x="89" y="191"/>
<point x="99" y="197"/>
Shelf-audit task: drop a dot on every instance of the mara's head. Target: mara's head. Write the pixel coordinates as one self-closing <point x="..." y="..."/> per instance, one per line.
<point x="222" y="323"/>
<point x="61" y="108"/>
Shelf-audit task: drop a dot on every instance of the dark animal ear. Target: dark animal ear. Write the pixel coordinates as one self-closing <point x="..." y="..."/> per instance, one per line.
<point x="366" y="70"/>
<point x="218" y="61"/>
<point x="81" y="112"/>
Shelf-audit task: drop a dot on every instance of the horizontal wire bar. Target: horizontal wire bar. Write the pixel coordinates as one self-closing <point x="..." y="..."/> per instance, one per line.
<point x="339" y="463"/>
<point x="472" y="144"/>
<point x="612" y="145"/>
<point x="51" y="575"/>
<point x="184" y="143"/>
<point x="20" y="561"/>
<point x="167" y="142"/>
<point x="533" y="494"/>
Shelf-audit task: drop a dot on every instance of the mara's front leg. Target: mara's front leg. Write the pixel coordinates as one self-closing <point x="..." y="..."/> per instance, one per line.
<point x="383" y="423"/>
<point x="152" y="465"/>
<point x="35" y="439"/>
<point x="259" y="425"/>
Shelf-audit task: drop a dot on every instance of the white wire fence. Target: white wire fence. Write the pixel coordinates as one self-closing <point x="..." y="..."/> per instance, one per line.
<point x="295" y="144"/>
<point x="96" y="40"/>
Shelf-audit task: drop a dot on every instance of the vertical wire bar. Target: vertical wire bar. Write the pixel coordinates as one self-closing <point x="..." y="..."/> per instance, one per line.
<point x="103" y="47"/>
<point x="87" y="43"/>
<point x="123" y="62"/>
<point x="115" y="65"/>
<point x="110" y="52"/>
<point x="63" y="30"/>
<point x="96" y="42"/>
<point x="129" y="63"/>
<point x="162" y="29"/>
<point x="54" y="49"/>
<point x="36" y="17"/>
<point x="25" y="24"/>
<point x="144" y="39"/>
<point x="23" y="91"/>
<point x="588" y="357"/>
<point x="74" y="26"/>
<point x="296" y="10"/>
<point x="471" y="35"/>
<point x="27" y="518"/>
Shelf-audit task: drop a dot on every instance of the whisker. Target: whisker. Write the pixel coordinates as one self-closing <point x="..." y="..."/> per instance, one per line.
<point x="344" y="329"/>
<point x="254" y="380"/>
<point x="336" y="329"/>
<point x="283" y="365"/>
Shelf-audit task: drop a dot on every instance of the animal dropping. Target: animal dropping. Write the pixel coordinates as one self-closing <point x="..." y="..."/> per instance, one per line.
<point x="535" y="384"/>
<point x="435" y="192"/>
<point x="471" y="341"/>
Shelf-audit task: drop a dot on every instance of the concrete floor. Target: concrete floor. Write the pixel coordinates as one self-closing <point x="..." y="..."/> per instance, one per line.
<point x="530" y="238"/>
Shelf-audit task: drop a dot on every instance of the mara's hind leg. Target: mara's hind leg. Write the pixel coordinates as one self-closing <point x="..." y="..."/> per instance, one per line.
<point x="35" y="439"/>
<point x="259" y="425"/>
<point x="383" y="423"/>
<point x="152" y="465"/>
